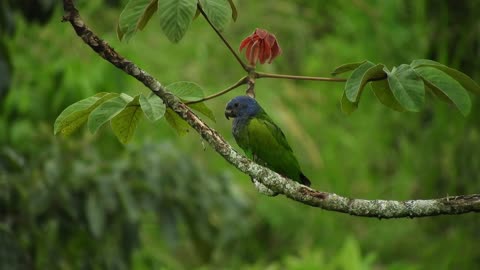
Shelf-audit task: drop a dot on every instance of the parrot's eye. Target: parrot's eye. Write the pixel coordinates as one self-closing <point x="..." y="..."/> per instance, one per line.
<point x="235" y="105"/>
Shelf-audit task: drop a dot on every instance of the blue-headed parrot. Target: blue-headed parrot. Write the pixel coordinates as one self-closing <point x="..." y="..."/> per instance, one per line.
<point x="261" y="139"/>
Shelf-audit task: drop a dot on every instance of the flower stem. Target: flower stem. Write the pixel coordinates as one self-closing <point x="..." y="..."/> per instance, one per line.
<point x="244" y="66"/>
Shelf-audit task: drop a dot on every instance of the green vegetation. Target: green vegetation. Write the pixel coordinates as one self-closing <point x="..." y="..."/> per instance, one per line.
<point x="167" y="202"/>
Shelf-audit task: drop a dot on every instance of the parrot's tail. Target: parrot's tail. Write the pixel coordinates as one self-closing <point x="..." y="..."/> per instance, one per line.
<point x="304" y="180"/>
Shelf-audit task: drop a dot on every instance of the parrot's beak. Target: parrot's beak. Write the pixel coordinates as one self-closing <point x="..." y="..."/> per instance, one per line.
<point x="228" y="114"/>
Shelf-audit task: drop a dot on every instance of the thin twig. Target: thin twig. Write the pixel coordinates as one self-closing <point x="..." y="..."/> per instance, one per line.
<point x="244" y="66"/>
<point x="242" y="81"/>
<point x="259" y="75"/>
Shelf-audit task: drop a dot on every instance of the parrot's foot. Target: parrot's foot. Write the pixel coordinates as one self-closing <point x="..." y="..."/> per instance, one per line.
<point x="263" y="189"/>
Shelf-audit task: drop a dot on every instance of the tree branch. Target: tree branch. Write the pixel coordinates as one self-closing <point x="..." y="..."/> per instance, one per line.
<point x="293" y="190"/>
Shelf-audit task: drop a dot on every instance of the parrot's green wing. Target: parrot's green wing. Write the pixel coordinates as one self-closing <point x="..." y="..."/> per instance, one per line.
<point x="265" y="143"/>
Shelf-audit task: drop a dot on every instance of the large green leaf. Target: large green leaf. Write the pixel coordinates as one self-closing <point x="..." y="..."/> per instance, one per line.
<point x="175" y="17"/>
<point x="76" y="114"/>
<point x="203" y="109"/>
<point x="105" y="112"/>
<point x="153" y="107"/>
<point x="176" y="122"/>
<point x="382" y="91"/>
<point x="218" y="12"/>
<point x="462" y="78"/>
<point x="441" y="81"/>
<point x="346" y="68"/>
<point x="347" y="106"/>
<point x="188" y="91"/>
<point x="125" y="122"/>
<point x="359" y="78"/>
<point x="135" y="16"/>
<point x="407" y="87"/>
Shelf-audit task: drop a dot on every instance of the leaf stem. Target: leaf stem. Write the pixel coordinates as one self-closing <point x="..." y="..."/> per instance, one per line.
<point x="295" y="77"/>
<point x="244" y="66"/>
<point x="242" y="81"/>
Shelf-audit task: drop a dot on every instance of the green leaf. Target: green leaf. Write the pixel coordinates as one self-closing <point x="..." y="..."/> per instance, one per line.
<point x="218" y="11"/>
<point x="234" y="10"/>
<point x="188" y="91"/>
<point x="437" y="93"/>
<point x="73" y="116"/>
<point x="462" y="78"/>
<point x="135" y="16"/>
<point x="76" y="114"/>
<point x="153" y="107"/>
<point x="120" y="32"/>
<point x="105" y="112"/>
<point x="197" y="13"/>
<point x="359" y="78"/>
<point x="382" y="91"/>
<point x="347" y="106"/>
<point x="125" y="122"/>
<point x="346" y="68"/>
<point x="440" y="81"/>
<point x="149" y="11"/>
<point x="407" y="87"/>
<point x="203" y="109"/>
<point x="176" y="122"/>
<point x="175" y="17"/>
<point x="126" y="97"/>
<point x="95" y="215"/>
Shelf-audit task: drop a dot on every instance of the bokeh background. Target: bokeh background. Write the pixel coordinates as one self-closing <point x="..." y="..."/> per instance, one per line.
<point x="169" y="202"/>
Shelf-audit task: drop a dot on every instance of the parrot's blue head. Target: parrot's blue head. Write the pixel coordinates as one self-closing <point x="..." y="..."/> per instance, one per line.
<point x="242" y="107"/>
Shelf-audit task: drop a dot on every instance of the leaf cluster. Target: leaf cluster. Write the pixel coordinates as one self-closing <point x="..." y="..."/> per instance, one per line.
<point x="174" y="16"/>
<point x="404" y="87"/>
<point x="124" y="111"/>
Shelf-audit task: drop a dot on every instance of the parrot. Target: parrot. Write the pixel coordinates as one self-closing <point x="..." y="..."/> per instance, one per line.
<point x="261" y="139"/>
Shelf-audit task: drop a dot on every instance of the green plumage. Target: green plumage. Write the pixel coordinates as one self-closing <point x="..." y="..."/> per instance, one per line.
<point x="262" y="140"/>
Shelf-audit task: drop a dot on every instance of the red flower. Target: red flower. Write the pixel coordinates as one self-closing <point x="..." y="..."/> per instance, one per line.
<point x="261" y="46"/>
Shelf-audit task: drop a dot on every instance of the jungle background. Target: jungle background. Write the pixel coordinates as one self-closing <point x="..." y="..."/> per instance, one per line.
<point x="169" y="202"/>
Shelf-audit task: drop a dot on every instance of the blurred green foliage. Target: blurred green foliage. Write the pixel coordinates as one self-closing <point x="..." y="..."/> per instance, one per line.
<point x="166" y="202"/>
